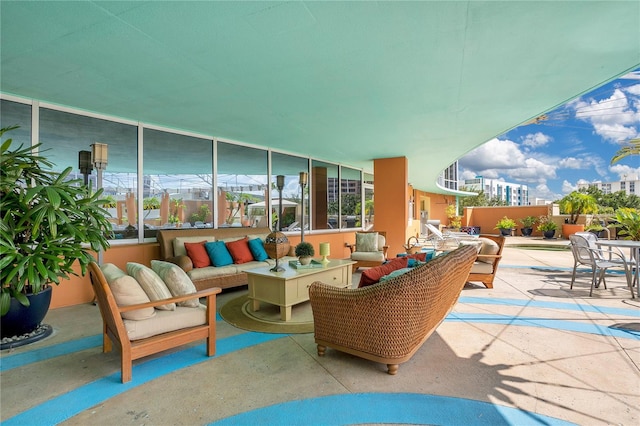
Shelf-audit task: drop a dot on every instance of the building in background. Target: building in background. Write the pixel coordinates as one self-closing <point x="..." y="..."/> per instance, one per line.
<point x="628" y="185"/>
<point x="514" y="194"/>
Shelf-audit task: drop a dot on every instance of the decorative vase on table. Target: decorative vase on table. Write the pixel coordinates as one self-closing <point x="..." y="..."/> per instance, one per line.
<point x="276" y="244"/>
<point x="305" y="260"/>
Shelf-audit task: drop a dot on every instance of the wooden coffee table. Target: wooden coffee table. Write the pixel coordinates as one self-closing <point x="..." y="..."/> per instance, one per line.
<point x="291" y="286"/>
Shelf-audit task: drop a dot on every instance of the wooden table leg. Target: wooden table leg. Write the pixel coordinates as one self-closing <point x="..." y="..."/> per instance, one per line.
<point x="285" y="313"/>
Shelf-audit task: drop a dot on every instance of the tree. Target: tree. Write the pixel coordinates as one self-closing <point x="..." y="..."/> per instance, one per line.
<point x="631" y="148"/>
<point x="577" y="203"/>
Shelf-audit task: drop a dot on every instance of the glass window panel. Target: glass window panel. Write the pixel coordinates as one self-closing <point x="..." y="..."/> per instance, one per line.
<point x="325" y="195"/>
<point x="368" y="201"/>
<point x="290" y="167"/>
<point x="241" y="175"/>
<point x="178" y="180"/>
<point x="351" y="197"/>
<point x="67" y="134"/>
<point x="16" y="114"/>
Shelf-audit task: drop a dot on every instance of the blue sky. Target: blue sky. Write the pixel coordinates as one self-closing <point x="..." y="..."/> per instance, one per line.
<point x="572" y="144"/>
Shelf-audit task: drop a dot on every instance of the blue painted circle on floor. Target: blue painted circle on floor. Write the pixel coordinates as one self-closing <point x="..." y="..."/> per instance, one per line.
<point x="408" y="408"/>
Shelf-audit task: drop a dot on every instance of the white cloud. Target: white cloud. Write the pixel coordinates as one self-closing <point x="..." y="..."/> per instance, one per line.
<point x="633" y="75"/>
<point x="536" y="140"/>
<point x="567" y="187"/>
<point x="624" y="172"/>
<point x="571" y="163"/>
<point x="533" y="171"/>
<point x="634" y="90"/>
<point x="495" y="154"/>
<point x="613" y="118"/>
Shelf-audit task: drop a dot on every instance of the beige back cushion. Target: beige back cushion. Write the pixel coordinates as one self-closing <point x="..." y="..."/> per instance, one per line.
<point x="178" y="243"/>
<point x="488" y="247"/>
<point x="151" y="283"/>
<point x="126" y="291"/>
<point x="177" y="281"/>
<point x="367" y="241"/>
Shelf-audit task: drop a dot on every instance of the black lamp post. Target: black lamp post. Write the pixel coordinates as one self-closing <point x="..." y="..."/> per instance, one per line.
<point x="84" y="164"/>
<point x="303" y="183"/>
<point x="280" y="186"/>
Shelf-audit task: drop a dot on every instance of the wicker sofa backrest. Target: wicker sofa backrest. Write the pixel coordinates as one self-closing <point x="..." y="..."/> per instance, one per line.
<point x="388" y="322"/>
<point x="166" y="236"/>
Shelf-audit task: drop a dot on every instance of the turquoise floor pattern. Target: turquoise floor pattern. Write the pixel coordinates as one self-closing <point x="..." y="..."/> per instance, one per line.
<point x="70" y="404"/>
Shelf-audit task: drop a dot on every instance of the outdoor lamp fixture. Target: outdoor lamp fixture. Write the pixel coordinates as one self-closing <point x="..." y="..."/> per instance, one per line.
<point x="85" y="165"/>
<point x="280" y="186"/>
<point x="99" y="155"/>
<point x="303" y="183"/>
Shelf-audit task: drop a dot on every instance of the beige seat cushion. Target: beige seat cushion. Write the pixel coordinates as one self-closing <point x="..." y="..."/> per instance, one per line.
<point x="488" y="247"/>
<point x="482" y="268"/>
<point x="126" y="291"/>
<point x="211" y="272"/>
<point x="373" y="256"/>
<point x="166" y="321"/>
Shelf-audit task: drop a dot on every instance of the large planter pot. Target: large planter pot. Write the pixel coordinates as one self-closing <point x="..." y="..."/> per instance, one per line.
<point x="505" y="232"/>
<point x="526" y="232"/>
<point x="549" y="234"/>
<point x="570" y="229"/>
<point x="25" y="319"/>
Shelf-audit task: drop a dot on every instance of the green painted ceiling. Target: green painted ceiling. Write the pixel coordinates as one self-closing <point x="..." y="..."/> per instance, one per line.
<point x="340" y="81"/>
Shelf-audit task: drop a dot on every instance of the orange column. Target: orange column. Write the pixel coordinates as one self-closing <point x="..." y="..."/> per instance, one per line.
<point x="391" y="200"/>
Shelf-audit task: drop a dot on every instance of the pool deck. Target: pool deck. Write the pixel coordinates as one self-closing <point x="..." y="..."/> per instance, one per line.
<point x="528" y="351"/>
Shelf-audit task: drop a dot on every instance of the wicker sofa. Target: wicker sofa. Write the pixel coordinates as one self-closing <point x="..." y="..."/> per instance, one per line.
<point x="210" y="276"/>
<point x="389" y="321"/>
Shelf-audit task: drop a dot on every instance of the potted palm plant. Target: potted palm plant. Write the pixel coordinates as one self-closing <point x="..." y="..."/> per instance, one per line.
<point x="305" y="252"/>
<point x="48" y="223"/>
<point x="575" y="204"/>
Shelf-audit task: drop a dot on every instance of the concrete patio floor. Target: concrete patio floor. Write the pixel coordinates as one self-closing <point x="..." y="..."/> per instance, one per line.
<point x="528" y="351"/>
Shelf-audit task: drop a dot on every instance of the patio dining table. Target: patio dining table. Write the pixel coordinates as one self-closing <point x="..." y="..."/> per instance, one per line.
<point x="634" y="253"/>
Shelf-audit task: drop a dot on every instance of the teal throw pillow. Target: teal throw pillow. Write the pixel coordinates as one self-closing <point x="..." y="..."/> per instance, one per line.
<point x="218" y="253"/>
<point x="394" y="274"/>
<point x="257" y="249"/>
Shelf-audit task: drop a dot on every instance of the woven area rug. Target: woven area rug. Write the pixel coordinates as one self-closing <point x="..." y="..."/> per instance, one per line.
<point x="238" y="313"/>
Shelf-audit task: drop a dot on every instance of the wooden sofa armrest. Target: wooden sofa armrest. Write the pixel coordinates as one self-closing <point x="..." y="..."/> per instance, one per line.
<point x="184" y="262"/>
<point x="351" y="247"/>
<point x="208" y="293"/>
<point x="384" y="250"/>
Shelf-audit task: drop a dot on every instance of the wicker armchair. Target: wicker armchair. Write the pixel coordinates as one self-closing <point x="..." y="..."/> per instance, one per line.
<point x="388" y="322"/>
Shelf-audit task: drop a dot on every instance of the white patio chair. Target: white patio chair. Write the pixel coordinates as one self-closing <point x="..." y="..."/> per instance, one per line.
<point x="598" y="261"/>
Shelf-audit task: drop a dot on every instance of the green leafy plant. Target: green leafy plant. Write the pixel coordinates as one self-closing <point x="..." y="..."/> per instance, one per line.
<point x="150" y="203"/>
<point x="304" y="249"/>
<point x="48" y="222"/>
<point x="202" y="214"/>
<point x="628" y="222"/>
<point x="546" y="224"/>
<point x="577" y="203"/>
<point x="529" y="221"/>
<point x="110" y="202"/>
<point x="505" y="223"/>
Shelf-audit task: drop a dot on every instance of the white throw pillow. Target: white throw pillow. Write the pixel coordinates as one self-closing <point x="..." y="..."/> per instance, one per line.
<point x="151" y="283"/>
<point x="126" y="291"/>
<point x="177" y="281"/>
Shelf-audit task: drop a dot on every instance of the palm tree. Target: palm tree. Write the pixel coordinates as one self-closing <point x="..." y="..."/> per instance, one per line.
<point x="577" y="203"/>
<point x="632" y="148"/>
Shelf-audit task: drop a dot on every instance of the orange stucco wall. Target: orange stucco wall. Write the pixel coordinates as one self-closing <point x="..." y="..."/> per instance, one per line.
<point x="487" y="217"/>
<point x="78" y="290"/>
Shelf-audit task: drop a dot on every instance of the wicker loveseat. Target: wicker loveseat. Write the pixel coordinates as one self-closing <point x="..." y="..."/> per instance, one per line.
<point x="389" y="321"/>
<point x="210" y="276"/>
